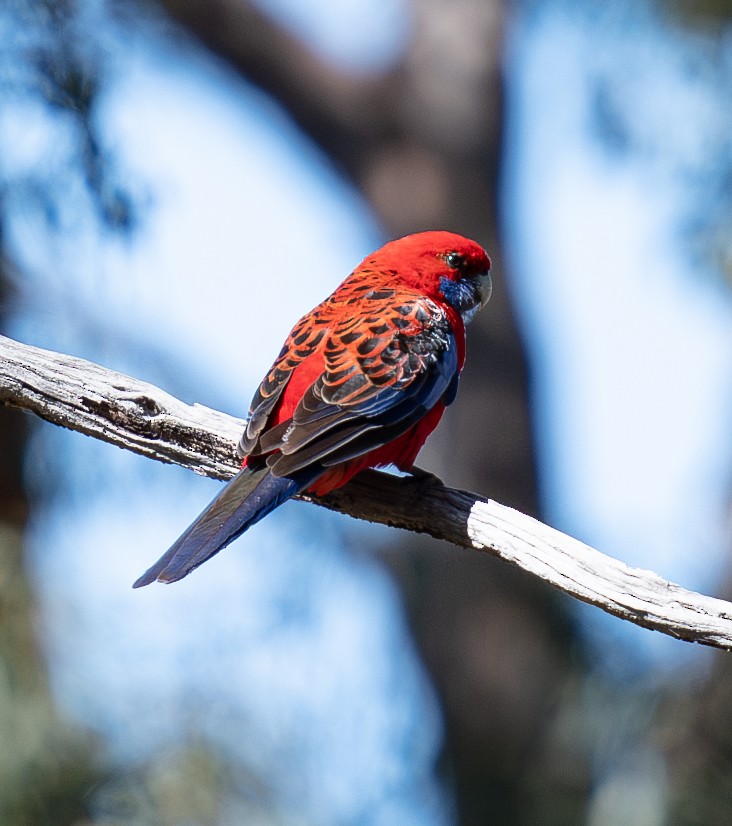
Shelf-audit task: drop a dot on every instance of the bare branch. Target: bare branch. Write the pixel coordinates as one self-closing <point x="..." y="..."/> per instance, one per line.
<point x="138" y="416"/>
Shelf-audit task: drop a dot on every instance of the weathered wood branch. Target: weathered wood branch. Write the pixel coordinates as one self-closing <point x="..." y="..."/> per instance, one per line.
<point x="138" y="416"/>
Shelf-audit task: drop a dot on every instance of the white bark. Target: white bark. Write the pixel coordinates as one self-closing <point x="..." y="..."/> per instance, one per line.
<point x="138" y="416"/>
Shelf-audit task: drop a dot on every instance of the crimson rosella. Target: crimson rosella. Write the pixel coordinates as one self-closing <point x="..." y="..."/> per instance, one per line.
<point x="361" y="381"/>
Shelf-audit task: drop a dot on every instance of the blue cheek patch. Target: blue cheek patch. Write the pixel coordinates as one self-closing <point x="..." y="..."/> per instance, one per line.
<point x="460" y="295"/>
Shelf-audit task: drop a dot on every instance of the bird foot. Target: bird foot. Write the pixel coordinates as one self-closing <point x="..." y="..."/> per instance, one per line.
<point x="426" y="481"/>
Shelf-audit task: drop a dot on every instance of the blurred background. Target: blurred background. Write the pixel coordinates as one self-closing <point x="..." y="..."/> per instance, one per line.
<point x="181" y="180"/>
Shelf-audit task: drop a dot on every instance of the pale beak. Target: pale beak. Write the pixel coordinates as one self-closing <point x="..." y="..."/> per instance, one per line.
<point x="485" y="287"/>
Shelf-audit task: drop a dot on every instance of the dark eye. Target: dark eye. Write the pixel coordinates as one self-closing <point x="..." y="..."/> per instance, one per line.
<point x="454" y="260"/>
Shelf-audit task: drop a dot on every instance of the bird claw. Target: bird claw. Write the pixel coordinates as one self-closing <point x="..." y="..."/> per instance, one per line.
<point x="426" y="481"/>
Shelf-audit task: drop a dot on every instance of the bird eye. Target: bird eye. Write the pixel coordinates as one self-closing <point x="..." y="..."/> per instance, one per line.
<point x="454" y="260"/>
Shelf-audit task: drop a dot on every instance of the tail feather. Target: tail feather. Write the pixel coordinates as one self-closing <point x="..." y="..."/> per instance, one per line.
<point x="246" y="499"/>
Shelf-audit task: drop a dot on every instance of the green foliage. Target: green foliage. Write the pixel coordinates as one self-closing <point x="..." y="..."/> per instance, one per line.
<point x="707" y="14"/>
<point x="47" y="766"/>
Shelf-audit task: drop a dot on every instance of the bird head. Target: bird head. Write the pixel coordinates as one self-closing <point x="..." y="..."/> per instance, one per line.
<point x="445" y="266"/>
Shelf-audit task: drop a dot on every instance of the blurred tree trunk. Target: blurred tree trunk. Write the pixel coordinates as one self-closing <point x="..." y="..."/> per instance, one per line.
<point x="13" y="503"/>
<point x="422" y="144"/>
<point x="19" y="656"/>
<point x="47" y="769"/>
<point x="697" y="739"/>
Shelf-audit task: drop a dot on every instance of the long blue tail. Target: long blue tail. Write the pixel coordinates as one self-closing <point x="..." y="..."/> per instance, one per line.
<point x="246" y="499"/>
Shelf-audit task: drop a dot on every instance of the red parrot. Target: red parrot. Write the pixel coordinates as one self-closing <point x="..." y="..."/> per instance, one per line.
<point x="361" y="382"/>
